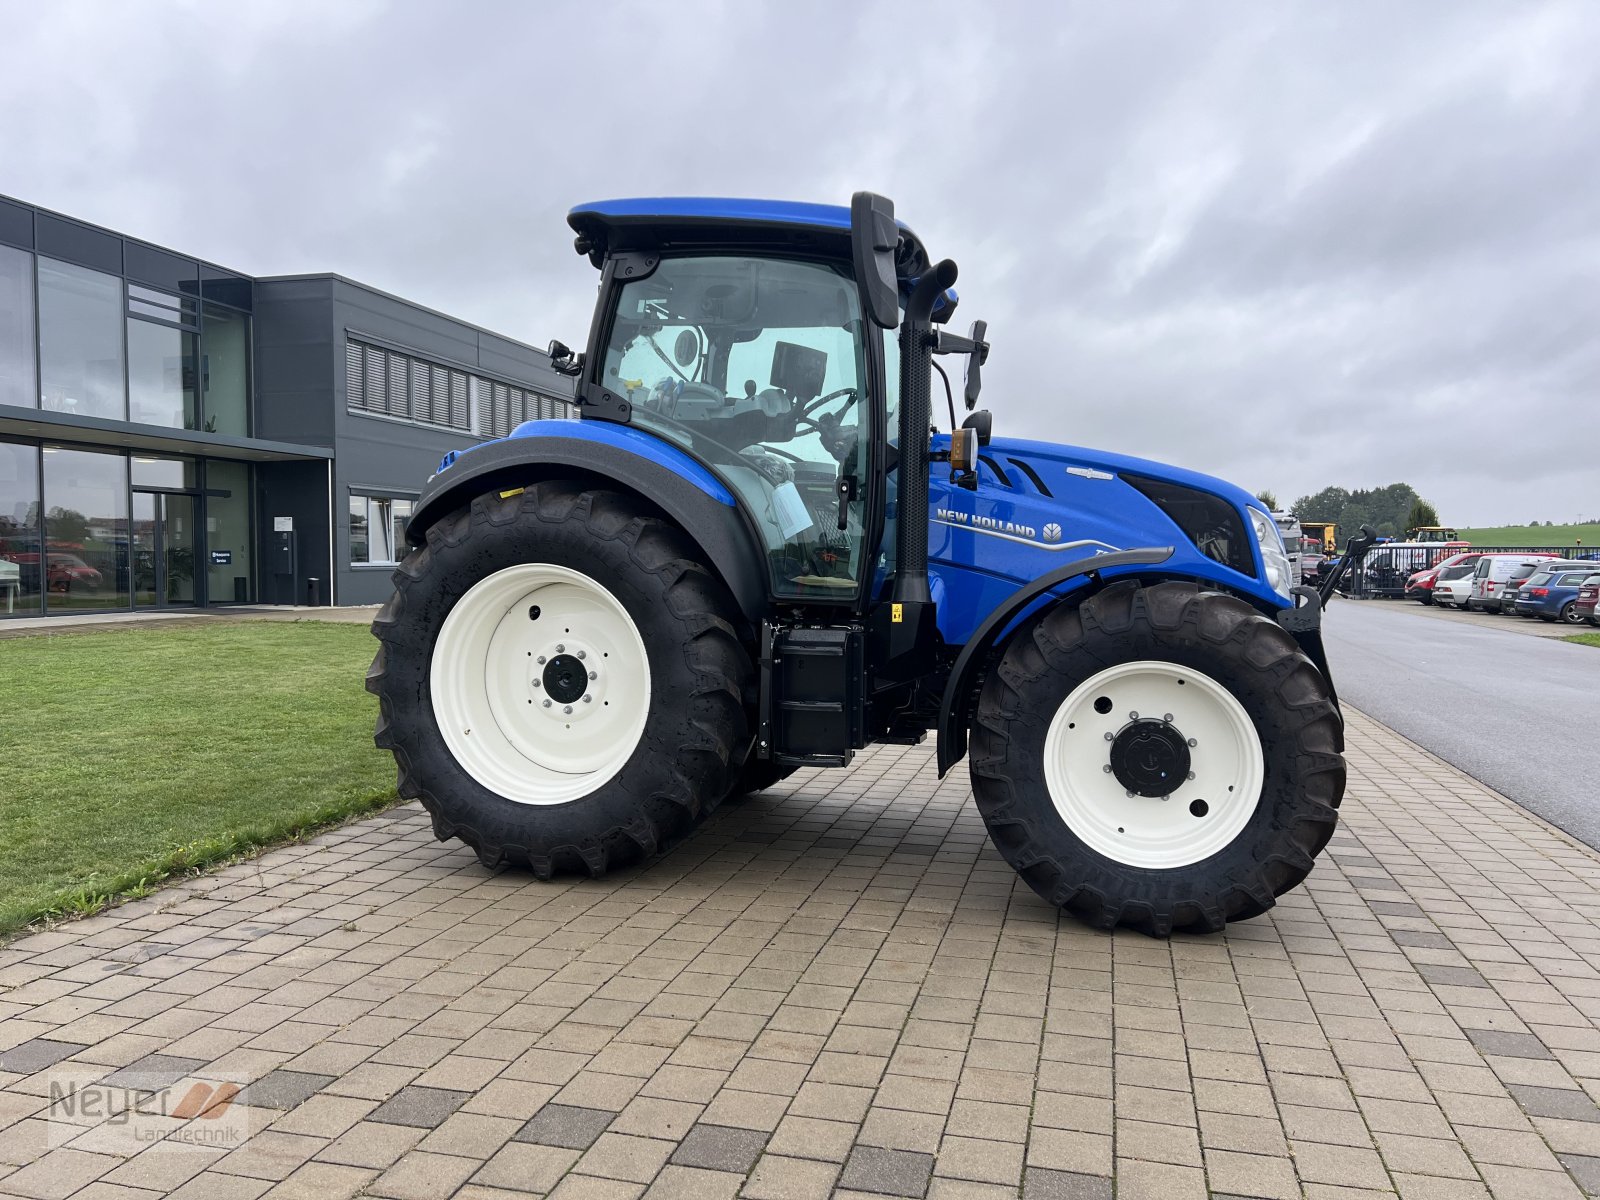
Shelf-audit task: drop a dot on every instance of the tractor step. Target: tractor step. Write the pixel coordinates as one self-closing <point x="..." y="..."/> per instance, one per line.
<point x="813" y="707"/>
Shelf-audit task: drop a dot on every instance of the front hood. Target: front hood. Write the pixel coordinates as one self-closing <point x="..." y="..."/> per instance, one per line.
<point x="1039" y="505"/>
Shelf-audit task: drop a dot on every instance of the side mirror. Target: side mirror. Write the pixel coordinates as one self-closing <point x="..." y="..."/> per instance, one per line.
<point x="975" y="361"/>
<point x="873" y="240"/>
<point x="982" y="423"/>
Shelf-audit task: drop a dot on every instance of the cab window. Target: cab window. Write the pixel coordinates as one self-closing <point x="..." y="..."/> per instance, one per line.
<point x="756" y="366"/>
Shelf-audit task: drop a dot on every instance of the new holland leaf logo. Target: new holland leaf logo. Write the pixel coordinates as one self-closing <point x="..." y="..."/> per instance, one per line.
<point x="1052" y="532"/>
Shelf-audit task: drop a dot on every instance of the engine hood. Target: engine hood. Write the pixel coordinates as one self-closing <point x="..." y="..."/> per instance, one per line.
<point x="1039" y="505"/>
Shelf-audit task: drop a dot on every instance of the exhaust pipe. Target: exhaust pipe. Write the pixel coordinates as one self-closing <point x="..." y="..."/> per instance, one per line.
<point x="916" y="384"/>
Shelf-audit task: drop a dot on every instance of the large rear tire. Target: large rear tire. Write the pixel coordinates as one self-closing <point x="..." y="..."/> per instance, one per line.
<point x="1158" y="757"/>
<point x="560" y="680"/>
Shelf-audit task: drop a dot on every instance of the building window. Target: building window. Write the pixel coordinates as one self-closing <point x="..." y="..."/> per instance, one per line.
<point x="21" y="569"/>
<point x="80" y="341"/>
<point x="85" y="530"/>
<point x="408" y="388"/>
<point x="378" y="529"/>
<point x="17" y="384"/>
<point x="225" y="370"/>
<point x="162" y="333"/>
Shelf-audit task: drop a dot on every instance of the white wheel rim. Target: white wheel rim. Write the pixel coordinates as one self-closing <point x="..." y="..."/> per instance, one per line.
<point x="504" y="725"/>
<point x="1205" y="813"/>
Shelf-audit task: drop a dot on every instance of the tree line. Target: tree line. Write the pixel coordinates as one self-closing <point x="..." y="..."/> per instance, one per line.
<point x="1390" y="510"/>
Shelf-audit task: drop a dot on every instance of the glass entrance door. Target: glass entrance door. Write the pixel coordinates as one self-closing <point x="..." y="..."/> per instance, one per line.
<point x="163" y="549"/>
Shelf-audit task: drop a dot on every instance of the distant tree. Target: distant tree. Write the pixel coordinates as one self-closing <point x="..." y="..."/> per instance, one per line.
<point x="1266" y="497"/>
<point x="66" y="525"/>
<point x="1384" y="508"/>
<point x="1422" y="513"/>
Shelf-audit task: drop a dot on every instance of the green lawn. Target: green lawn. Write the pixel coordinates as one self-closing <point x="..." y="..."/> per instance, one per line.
<point x="1584" y="639"/>
<point x="134" y="754"/>
<point x="1533" y="535"/>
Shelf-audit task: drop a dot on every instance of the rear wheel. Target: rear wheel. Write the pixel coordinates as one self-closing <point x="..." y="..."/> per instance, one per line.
<point x="1162" y="758"/>
<point x="1569" y="613"/>
<point x="560" y="680"/>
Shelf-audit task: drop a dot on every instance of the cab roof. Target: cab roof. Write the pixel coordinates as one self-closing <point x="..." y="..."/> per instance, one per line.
<point x="686" y="222"/>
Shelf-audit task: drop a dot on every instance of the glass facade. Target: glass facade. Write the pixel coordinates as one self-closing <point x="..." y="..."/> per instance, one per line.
<point x="161" y="359"/>
<point x="21" y="574"/>
<point x="80" y="341"/>
<point x="17" y="383"/>
<point x="225" y="370"/>
<point x="228" y="541"/>
<point x="85" y="530"/>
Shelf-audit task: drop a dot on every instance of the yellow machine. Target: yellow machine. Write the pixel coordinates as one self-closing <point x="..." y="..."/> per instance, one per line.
<point x="1325" y="531"/>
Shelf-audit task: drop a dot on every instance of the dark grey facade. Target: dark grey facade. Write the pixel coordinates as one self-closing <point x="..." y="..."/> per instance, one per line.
<point x="175" y="434"/>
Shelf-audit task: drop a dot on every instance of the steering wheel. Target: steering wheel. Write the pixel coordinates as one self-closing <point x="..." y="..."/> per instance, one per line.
<point x="811" y="414"/>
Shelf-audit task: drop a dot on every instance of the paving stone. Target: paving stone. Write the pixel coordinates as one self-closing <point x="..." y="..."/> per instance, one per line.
<point x="887" y="1172"/>
<point x="1508" y="1044"/>
<point x="421" y="1107"/>
<point x="1584" y="1169"/>
<point x="566" y="1126"/>
<point x="284" y="1090"/>
<point x="720" y="1148"/>
<point x="1041" y="1184"/>
<point x="36" y="1054"/>
<point x="155" y="1071"/>
<point x="1569" y="1104"/>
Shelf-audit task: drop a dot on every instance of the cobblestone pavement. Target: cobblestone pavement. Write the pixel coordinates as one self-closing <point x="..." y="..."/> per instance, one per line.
<point x="835" y="988"/>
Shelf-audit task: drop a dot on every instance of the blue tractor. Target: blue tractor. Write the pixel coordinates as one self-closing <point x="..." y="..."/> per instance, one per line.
<point x="751" y="552"/>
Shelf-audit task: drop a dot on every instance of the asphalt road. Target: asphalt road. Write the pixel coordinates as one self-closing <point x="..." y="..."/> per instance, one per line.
<point x="1520" y="714"/>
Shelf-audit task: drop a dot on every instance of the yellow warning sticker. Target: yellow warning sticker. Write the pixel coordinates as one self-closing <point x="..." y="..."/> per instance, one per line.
<point x="897" y="613"/>
<point x="511" y="493"/>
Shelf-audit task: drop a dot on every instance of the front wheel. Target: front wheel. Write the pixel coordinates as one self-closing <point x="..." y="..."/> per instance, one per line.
<point x="1158" y="757"/>
<point x="560" y="680"/>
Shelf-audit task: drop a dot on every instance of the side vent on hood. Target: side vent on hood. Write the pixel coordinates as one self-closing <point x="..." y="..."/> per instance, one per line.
<point x="1210" y="522"/>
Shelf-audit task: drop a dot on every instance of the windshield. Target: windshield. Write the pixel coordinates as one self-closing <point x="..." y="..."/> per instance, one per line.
<point x="757" y="367"/>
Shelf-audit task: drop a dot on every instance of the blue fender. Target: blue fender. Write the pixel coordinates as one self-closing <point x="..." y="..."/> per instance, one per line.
<point x="955" y="709"/>
<point x="608" y="455"/>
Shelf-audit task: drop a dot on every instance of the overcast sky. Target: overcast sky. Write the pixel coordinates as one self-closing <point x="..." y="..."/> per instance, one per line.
<point x="1290" y="244"/>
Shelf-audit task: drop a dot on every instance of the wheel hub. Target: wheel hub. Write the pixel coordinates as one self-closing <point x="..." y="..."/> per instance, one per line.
<point x="1150" y="758"/>
<point x="565" y="679"/>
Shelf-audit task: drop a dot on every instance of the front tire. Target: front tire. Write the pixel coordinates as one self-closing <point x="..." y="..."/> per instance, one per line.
<point x="560" y="680"/>
<point x="1224" y="696"/>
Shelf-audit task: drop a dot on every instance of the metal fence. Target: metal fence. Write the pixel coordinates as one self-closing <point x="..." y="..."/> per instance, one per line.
<point x="1383" y="573"/>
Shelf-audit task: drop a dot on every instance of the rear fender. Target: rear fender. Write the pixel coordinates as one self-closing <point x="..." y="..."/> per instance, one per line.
<point x="658" y="473"/>
<point x="955" y="710"/>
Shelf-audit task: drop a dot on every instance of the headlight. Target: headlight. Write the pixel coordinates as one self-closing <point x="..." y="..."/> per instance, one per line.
<point x="1273" y="558"/>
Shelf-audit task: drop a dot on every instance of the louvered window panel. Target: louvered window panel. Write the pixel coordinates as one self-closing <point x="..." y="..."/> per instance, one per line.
<point x="397" y="386"/>
<point x="460" y="408"/>
<point x="372" y="380"/>
<point x="353" y="362"/>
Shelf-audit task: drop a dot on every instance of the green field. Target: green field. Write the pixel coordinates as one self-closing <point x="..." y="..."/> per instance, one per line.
<point x="1533" y="535"/>
<point x="136" y="754"/>
<point x="1584" y="639"/>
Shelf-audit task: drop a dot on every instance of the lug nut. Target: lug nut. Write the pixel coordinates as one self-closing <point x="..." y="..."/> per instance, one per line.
<point x="1167" y="717"/>
<point x="567" y="709"/>
<point x="560" y="649"/>
<point x="1110" y="738"/>
<point x="547" y="703"/>
<point x="581" y="654"/>
<point x="541" y="660"/>
<point x="1133" y="716"/>
<point x="1191" y="774"/>
<point x="1106" y="768"/>
<point x="1192" y="742"/>
<point x="538" y="683"/>
<point x="594" y="674"/>
<point x="588" y="699"/>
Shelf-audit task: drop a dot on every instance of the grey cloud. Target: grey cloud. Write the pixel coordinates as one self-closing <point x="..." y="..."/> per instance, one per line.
<point x="1293" y="245"/>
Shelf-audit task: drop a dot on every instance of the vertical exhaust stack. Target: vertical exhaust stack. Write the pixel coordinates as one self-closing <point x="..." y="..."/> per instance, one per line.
<point x="916" y="383"/>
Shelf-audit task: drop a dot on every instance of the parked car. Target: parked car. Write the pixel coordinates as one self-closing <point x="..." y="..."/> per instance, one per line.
<point x="1420" y="585"/>
<point x="1492" y="572"/>
<point x="1588" y="596"/>
<point x="1552" y="593"/>
<point x="1453" y="587"/>
<point x="1513" y="587"/>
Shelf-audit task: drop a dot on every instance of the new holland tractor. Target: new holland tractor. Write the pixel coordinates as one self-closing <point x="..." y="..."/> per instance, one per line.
<point x="751" y="552"/>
